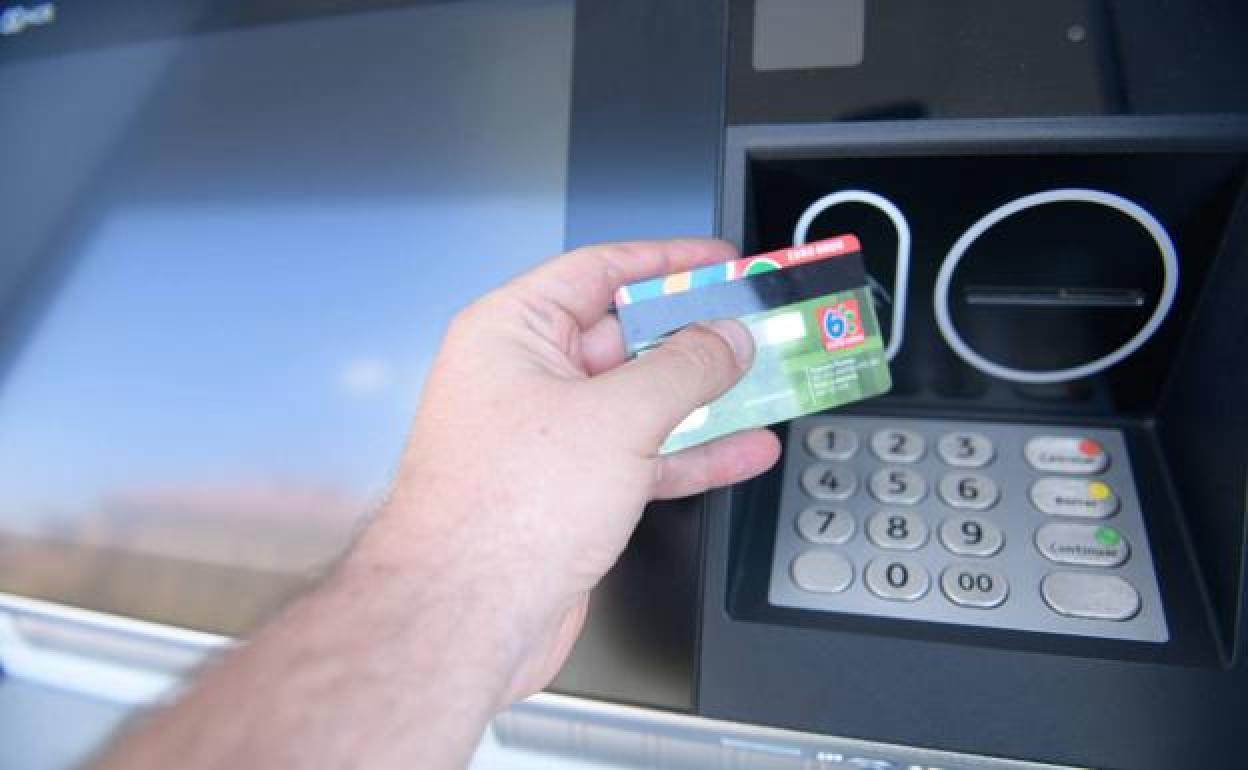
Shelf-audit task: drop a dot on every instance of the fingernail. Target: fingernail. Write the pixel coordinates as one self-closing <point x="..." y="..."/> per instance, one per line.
<point x="738" y="338"/>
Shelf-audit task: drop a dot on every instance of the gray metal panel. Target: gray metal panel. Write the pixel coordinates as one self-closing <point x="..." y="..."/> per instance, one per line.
<point x="647" y="120"/>
<point x="625" y="737"/>
<point x="952" y="137"/>
<point x="646" y="138"/>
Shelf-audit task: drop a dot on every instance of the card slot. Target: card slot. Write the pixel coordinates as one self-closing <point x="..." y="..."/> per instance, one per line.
<point x="1055" y="297"/>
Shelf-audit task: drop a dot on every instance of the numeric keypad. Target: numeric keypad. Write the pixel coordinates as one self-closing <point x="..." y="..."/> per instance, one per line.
<point x="1034" y="528"/>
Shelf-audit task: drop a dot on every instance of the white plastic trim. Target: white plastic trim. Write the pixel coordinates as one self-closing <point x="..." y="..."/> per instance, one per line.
<point x="109" y="622"/>
<point x="1169" y="287"/>
<point x="127" y="685"/>
<point x="80" y="672"/>
<point x="800" y="232"/>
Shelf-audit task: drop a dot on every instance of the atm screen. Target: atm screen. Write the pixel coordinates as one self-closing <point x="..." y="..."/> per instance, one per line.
<point x="232" y="238"/>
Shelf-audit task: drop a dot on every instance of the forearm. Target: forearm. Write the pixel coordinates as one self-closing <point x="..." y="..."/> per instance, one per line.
<point x="531" y="458"/>
<point x="387" y="664"/>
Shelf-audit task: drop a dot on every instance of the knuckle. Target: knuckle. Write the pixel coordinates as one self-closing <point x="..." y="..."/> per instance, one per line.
<point x="467" y="323"/>
<point x="704" y="353"/>
<point x="615" y="253"/>
<point x="682" y="475"/>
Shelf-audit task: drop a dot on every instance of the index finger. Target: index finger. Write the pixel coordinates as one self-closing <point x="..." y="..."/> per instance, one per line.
<point x="583" y="281"/>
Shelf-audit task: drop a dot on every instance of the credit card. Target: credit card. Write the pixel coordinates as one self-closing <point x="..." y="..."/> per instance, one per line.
<point x="817" y="340"/>
<point x="675" y="283"/>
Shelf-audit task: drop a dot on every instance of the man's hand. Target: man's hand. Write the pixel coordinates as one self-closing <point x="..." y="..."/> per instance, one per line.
<point x="536" y="445"/>
<point x="532" y="455"/>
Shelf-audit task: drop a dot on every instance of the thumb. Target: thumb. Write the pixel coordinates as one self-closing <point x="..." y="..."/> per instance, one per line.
<point x="662" y="386"/>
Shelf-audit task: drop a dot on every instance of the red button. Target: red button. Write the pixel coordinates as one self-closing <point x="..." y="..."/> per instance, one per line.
<point x="1089" y="447"/>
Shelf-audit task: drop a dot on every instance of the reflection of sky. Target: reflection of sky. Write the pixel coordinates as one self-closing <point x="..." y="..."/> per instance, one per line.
<point x="258" y="308"/>
<point x="276" y="341"/>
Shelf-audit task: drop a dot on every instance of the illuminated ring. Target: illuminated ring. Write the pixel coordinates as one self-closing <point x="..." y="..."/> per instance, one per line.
<point x="1169" y="285"/>
<point x="898" y="331"/>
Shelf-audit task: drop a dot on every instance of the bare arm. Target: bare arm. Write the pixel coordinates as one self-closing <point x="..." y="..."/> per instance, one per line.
<point x="530" y="460"/>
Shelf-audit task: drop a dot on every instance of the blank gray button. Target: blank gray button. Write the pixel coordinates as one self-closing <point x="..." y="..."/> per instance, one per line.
<point x="1082" y="545"/>
<point x="829" y="482"/>
<point x="1074" y="497"/>
<point x="825" y="526"/>
<point x="832" y="442"/>
<point x="898" y="486"/>
<point x="802" y="34"/>
<point x="1066" y="454"/>
<point x="973" y="491"/>
<point x="824" y="572"/>
<point x="897" y="579"/>
<point x="971" y="536"/>
<point x="898" y="446"/>
<point x="901" y="531"/>
<point x="969" y="585"/>
<point x="965" y="450"/>
<point x="1089" y="595"/>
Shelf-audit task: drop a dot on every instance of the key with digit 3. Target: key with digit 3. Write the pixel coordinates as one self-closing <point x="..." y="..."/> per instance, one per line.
<point x="817" y="340"/>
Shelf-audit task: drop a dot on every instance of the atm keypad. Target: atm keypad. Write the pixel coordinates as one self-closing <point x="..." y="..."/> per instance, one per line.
<point x="1033" y="528"/>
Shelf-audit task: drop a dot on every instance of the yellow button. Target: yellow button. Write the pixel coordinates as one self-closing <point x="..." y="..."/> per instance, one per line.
<point x="1099" y="490"/>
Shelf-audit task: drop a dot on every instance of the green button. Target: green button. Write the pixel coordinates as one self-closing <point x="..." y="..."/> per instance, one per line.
<point x="1108" y="536"/>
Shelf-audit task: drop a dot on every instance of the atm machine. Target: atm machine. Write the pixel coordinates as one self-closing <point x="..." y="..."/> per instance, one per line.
<point x="1031" y="552"/>
<point x="1033" y="546"/>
